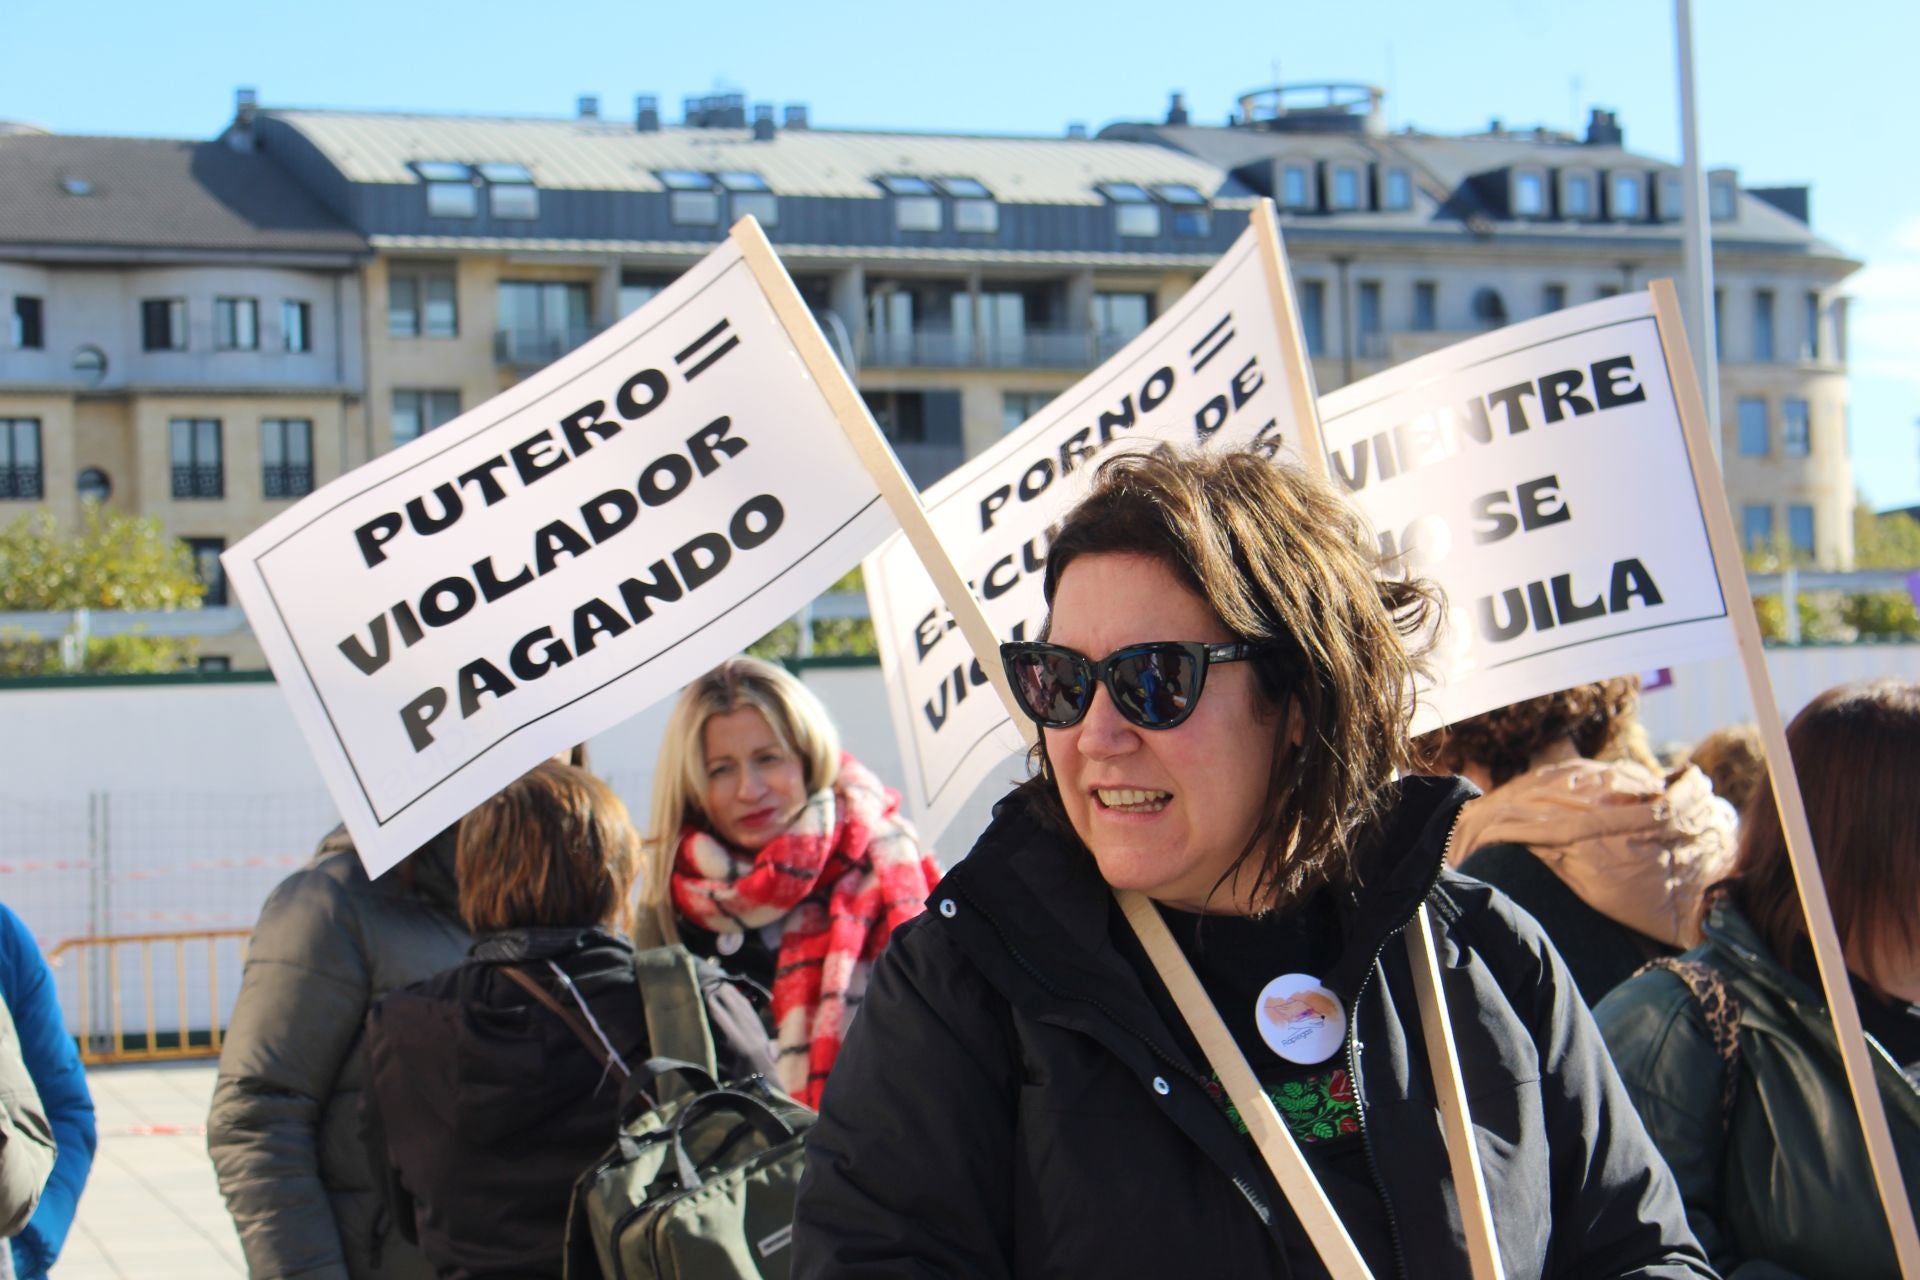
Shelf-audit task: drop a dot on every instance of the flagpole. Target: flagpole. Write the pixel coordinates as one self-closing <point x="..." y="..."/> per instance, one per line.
<point x="1696" y="238"/>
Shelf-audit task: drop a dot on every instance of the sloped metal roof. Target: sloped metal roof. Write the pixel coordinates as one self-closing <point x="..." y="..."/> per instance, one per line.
<point x="590" y="155"/>
<point x="61" y="191"/>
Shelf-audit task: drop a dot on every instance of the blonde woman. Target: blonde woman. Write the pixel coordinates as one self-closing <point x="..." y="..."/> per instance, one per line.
<point x="777" y="854"/>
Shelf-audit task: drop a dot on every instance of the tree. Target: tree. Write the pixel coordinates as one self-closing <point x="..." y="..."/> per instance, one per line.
<point x="1885" y="542"/>
<point x="112" y="562"/>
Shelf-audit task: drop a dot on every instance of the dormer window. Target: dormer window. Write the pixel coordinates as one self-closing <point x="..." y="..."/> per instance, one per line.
<point x="1626" y="197"/>
<point x="1723" y="195"/>
<point x="1673" y="197"/>
<point x="916" y="206"/>
<point x="450" y="189"/>
<point x="1134" y="212"/>
<point x="1296" y="186"/>
<point x="1191" y="216"/>
<point x="510" y="191"/>
<point x="1346" y="188"/>
<point x="973" y="208"/>
<point x="1529" y="193"/>
<point x="1577" y="195"/>
<point x="692" y="201"/>
<point x="1397" y="190"/>
<point x="749" y="194"/>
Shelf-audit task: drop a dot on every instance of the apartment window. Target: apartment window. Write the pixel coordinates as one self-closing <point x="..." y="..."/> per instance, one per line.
<point x="916" y="207"/>
<point x="1313" y="316"/>
<point x="1810" y="329"/>
<point x="1553" y="298"/>
<point x="1016" y="407"/>
<point x="296" y="325"/>
<point x="974" y="210"/>
<point x="1756" y="526"/>
<point x="20" y="471"/>
<point x="1134" y="212"/>
<point x="197" y="469"/>
<point x="1346" y="187"/>
<point x="421" y="302"/>
<point x="637" y="289"/>
<point x="1398" y="190"/>
<point x="1800" y="530"/>
<point x="1626" y="194"/>
<point x="1121" y="315"/>
<point x="1426" y="306"/>
<point x="206" y="567"/>
<point x="1606" y="291"/>
<point x="750" y="196"/>
<point x="450" y="189"/>
<point x="542" y="320"/>
<point x="1796" y="429"/>
<point x="93" y="485"/>
<point x="1763" y="324"/>
<point x="163" y="324"/>
<point x="1296" y="186"/>
<point x="417" y="412"/>
<point x="1723" y="197"/>
<point x="29" y="330"/>
<point x="1753" y="429"/>
<point x="1576" y="195"/>
<point x="286" y="457"/>
<point x="1368" y="321"/>
<point x="236" y="324"/>
<point x="511" y="193"/>
<point x="1529" y="194"/>
<point x="1191" y="217"/>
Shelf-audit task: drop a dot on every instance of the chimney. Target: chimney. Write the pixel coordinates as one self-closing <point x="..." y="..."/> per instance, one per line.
<point x="693" y="112"/>
<point x="1177" y="109"/>
<point x="587" y="106"/>
<point x="246" y="109"/>
<point x="796" y="116"/>
<point x="732" y="111"/>
<point x="763" y="122"/>
<point x="646" y="113"/>
<point x="1603" y="130"/>
<point x="1077" y="131"/>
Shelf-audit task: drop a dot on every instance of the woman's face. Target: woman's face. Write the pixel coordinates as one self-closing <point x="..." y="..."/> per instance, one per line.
<point x="755" y="786"/>
<point x="1164" y="811"/>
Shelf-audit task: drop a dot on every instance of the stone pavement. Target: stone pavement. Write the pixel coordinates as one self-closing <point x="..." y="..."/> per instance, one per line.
<point x="151" y="1210"/>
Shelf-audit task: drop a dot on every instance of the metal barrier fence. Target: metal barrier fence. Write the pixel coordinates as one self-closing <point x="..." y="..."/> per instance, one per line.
<point x="98" y="970"/>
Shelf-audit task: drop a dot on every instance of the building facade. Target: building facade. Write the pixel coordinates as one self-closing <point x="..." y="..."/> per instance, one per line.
<point x="204" y="331"/>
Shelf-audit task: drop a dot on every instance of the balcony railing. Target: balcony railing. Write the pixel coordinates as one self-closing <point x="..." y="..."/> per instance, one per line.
<point x="1028" y="349"/>
<point x="203" y="481"/>
<point x="533" y="348"/>
<point x="286" y="481"/>
<point x="21" y="482"/>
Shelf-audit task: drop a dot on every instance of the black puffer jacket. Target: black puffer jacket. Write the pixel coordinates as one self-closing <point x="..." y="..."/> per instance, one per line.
<point x="1015" y="1100"/>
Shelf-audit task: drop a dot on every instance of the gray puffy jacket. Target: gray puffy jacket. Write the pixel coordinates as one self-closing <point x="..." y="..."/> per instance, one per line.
<point x="284" y="1131"/>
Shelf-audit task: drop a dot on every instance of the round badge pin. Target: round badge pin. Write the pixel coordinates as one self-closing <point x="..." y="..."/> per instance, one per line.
<point x="729" y="943"/>
<point x="1299" y="1019"/>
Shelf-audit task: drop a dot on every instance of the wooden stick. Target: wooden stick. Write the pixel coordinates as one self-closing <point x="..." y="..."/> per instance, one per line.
<point x="1828" y="955"/>
<point x="1310" y="1204"/>
<point x="1293" y="346"/>
<point x="1470" y="1183"/>
<point x="876" y="455"/>
<point x="1449" y="1086"/>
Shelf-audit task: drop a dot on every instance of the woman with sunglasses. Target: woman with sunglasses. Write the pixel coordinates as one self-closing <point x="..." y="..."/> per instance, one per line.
<point x="1223" y="695"/>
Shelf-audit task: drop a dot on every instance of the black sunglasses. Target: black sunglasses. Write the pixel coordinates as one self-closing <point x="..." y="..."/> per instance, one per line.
<point x="1155" y="685"/>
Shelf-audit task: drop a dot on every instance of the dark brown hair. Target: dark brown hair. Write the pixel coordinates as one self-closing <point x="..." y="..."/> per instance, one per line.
<point x="554" y="849"/>
<point x="1279" y="557"/>
<point x="1733" y="761"/>
<point x="1856" y="749"/>
<point x="1504" y="740"/>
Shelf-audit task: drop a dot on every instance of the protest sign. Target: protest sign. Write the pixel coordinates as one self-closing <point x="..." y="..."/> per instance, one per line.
<point x="562" y="556"/>
<point x="1214" y="371"/>
<point x="1540" y="475"/>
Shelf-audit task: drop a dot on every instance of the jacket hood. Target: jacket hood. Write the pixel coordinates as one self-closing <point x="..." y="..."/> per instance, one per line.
<point x="1636" y="847"/>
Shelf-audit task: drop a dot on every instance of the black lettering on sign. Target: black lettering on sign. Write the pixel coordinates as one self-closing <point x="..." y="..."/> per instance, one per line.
<point x="1213" y="344"/>
<point x="1549" y="603"/>
<point x="701" y="353"/>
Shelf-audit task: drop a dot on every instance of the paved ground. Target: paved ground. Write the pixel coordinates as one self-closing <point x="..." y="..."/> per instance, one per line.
<point x="151" y="1209"/>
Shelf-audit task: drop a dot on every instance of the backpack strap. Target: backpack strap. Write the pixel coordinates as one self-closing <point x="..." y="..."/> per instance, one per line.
<point x="677" y="1024"/>
<point x="589" y="1036"/>
<point x="1721" y="1009"/>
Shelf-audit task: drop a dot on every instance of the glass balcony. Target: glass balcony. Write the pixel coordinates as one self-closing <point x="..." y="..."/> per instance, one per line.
<point x="534" y="348"/>
<point x="945" y="349"/>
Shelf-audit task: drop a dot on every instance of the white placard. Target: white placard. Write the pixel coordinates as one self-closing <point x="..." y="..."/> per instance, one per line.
<point x="1540" y="474"/>
<point x="561" y="557"/>
<point x="1209" y="372"/>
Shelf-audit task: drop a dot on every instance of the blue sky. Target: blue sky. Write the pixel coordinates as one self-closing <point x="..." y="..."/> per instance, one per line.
<point x="1789" y="92"/>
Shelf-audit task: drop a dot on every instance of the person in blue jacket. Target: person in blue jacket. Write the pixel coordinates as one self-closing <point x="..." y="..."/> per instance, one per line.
<point x="27" y="986"/>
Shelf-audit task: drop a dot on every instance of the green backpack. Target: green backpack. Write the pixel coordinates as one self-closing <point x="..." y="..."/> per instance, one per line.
<point x="700" y="1181"/>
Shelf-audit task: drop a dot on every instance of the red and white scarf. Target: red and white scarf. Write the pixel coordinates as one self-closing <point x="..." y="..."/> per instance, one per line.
<point x="839" y="880"/>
